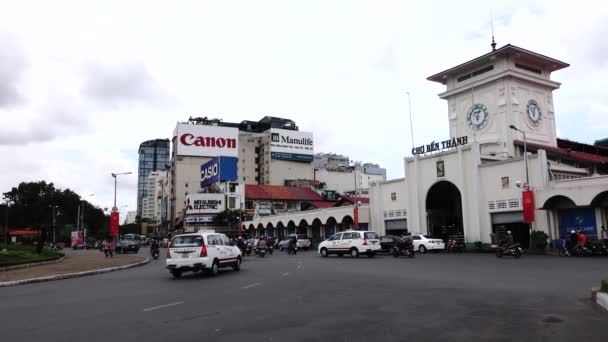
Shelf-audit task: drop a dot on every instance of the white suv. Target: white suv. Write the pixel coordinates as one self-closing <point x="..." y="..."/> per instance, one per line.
<point x="202" y="251"/>
<point x="353" y="242"/>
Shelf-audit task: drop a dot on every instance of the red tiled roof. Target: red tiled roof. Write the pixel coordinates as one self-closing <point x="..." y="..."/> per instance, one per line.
<point x="278" y="192"/>
<point x="322" y="204"/>
<point x="583" y="156"/>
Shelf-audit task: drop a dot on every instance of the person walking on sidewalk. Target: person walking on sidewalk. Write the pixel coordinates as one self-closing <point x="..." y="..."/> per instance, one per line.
<point x="108" y="248"/>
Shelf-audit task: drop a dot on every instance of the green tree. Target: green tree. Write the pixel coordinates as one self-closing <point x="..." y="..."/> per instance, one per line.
<point x="229" y="218"/>
<point x="32" y="208"/>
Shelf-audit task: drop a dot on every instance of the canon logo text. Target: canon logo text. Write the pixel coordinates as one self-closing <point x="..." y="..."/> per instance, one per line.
<point x="189" y="140"/>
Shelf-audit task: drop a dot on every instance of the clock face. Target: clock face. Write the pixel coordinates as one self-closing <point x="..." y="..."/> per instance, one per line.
<point x="534" y="112"/>
<point x="478" y="116"/>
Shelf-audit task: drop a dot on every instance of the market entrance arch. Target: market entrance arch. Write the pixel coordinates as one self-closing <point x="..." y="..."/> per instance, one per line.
<point x="444" y="210"/>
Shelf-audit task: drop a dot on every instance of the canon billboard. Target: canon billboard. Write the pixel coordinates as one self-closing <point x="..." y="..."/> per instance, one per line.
<point x="206" y="141"/>
<point x="291" y="145"/>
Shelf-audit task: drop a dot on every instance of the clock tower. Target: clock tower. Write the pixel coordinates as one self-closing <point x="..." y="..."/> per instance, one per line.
<point x="508" y="86"/>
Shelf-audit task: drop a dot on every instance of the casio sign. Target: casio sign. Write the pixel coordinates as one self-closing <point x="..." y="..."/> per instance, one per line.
<point x="210" y="172"/>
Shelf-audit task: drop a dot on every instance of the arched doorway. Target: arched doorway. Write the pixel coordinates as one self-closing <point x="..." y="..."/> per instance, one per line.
<point x="291" y="227"/>
<point x="444" y="210"/>
<point x="260" y="230"/>
<point x="280" y="231"/>
<point x="330" y="227"/>
<point x="347" y="223"/>
<point x="316" y="230"/>
<point x="270" y="230"/>
<point x="601" y="201"/>
<point x="303" y="227"/>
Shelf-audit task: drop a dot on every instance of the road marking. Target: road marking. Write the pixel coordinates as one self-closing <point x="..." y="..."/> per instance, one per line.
<point x="252" y="285"/>
<point x="163" y="306"/>
<point x="284" y="274"/>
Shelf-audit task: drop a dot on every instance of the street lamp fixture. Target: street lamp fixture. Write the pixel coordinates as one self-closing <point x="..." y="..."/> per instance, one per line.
<point x="6" y="236"/>
<point x="115" y="175"/>
<point x="527" y="185"/>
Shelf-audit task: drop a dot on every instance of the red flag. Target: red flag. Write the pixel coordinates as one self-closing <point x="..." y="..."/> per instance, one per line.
<point x="114" y="223"/>
<point x="356" y="215"/>
<point x="528" y="202"/>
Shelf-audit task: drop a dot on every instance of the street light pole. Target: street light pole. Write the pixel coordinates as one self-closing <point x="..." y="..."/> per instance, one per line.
<point x="525" y="153"/>
<point x="409" y="103"/>
<point x="115" y="208"/>
<point x="6" y="235"/>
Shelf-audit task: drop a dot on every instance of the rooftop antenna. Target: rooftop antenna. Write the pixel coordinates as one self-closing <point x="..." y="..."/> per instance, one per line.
<point x="492" y="26"/>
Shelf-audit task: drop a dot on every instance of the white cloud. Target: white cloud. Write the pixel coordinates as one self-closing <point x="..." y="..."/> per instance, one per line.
<point x="86" y="83"/>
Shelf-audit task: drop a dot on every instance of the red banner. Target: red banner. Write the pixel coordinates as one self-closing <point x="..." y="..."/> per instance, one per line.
<point x="356" y="215"/>
<point x="114" y="223"/>
<point x="528" y="202"/>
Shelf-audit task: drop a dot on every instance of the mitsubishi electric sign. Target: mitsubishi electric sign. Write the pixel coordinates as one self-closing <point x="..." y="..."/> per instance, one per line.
<point x="291" y="145"/>
<point x="206" y="141"/>
<point x="205" y="203"/>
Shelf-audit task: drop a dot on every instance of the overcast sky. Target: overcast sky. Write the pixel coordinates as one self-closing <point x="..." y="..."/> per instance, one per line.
<point x="83" y="83"/>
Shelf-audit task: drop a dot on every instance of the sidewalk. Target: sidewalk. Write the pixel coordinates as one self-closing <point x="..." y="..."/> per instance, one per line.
<point x="74" y="261"/>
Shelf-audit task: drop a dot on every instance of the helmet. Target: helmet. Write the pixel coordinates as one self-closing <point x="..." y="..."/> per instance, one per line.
<point x="509" y="232"/>
<point x="572" y="232"/>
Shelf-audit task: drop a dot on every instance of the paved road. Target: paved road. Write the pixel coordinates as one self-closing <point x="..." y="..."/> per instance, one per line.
<point x="308" y="298"/>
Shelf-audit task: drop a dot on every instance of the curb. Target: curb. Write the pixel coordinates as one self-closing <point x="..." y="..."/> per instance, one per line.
<point x="16" y="267"/>
<point x="599" y="298"/>
<point x="72" y="275"/>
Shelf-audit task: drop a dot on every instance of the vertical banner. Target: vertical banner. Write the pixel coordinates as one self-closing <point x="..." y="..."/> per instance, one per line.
<point x="114" y="223"/>
<point x="356" y="217"/>
<point x="528" y="202"/>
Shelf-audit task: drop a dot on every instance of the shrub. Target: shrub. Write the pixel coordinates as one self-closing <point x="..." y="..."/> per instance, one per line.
<point x="604" y="287"/>
<point x="539" y="239"/>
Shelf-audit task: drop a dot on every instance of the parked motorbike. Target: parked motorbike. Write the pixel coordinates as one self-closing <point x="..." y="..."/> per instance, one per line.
<point x="598" y="248"/>
<point x="403" y="250"/>
<point x="515" y="250"/>
<point x="270" y="249"/>
<point x="454" y="246"/>
<point x="563" y="250"/>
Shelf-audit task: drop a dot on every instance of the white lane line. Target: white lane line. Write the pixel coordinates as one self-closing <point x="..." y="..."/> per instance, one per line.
<point x="162" y="306"/>
<point x="284" y="274"/>
<point x="252" y="285"/>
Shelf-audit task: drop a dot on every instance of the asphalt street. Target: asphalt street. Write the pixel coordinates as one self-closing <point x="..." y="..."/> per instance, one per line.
<point x="434" y="297"/>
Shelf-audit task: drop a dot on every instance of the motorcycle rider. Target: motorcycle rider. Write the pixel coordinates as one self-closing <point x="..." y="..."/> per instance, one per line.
<point x="507" y="241"/>
<point x="293" y="240"/>
<point x="582" y="239"/>
<point x="573" y="240"/>
<point x="241" y="244"/>
<point x="155" y="247"/>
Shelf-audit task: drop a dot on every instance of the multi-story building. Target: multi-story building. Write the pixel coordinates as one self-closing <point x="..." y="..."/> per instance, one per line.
<point x="503" y="167"/>
<point x="131" y="217"/>
<point x="270" y="151"/>
<point x="152" y="203"/>
<point x="337" y="172"/>
<point x="153" y="156"/>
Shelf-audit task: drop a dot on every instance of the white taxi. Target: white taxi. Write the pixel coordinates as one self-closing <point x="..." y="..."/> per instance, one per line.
<point x="353" y="242"/>
<point x="206" y="251"/>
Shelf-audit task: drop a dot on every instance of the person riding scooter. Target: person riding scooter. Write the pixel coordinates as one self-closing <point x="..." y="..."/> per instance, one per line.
<point x="155" y="249"/>
<point x="292" y="246"/>
<point x="507" y="241"/>
<point x="241" y="244"/>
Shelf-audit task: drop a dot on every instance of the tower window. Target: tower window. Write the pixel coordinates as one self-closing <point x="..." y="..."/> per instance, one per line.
<point x="475" y="73"/>
<point x="528" y="68"/>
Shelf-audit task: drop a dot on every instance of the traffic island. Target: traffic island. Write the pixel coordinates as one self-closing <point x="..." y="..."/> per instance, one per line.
<point x="75" y="264"/>
<point x="17" y="256"/>
<point x="600" y="295"/>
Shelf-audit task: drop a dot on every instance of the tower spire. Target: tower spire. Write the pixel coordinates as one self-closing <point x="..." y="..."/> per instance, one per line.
<point x="492" y="26"/>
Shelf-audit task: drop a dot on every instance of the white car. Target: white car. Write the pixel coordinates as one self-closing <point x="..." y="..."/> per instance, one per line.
<point x="302" y="242"/>
<point x="202" y="251"/>
<point x="423" y="243"/>
<point x="353" y="242"/>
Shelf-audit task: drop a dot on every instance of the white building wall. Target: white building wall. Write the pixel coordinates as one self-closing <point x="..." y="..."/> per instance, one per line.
<point x="382" y="203"/>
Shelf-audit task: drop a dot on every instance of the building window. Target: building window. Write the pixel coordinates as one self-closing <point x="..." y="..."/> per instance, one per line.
<point x="440" y="169"/>
<point x="393" y="196"/>
<point x="505" y="182"/>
